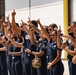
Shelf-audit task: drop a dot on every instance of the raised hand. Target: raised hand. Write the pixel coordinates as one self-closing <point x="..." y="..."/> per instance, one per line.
<point x="38" y="21"/>
<point x="8" y="21"/>
<point x="13" y="13"/>
<point x="59" y="30"/>
<point x="22" y="23"/>
<point x="29" y="22"/>
<point x="7" y="17"/>
<point x="29" y="19"/>
<point x="1" y="20"/>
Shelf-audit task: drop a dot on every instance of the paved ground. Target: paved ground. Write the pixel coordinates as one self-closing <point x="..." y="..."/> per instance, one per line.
<point x="66" y="71"/>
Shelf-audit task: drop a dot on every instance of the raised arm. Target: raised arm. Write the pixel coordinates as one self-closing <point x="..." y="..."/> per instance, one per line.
<point x="1" y="26"/>
<point x="25" y="28"/>
<point x="43" y="30"/>
<point x="8" y="21"/>
<point x="71" y="38"/>
<point x="35" y="28"/>
<point x="59" y="37"/>
<point x="15" y="28"/>
<point x="9" y="36"/>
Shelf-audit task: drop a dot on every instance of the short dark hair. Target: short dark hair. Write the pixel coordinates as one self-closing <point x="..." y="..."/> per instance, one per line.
<point x="34" y="23"/>
<point x="74" y="22"/>
<point x="17" y="24"/>
<point x="53" y="25"/>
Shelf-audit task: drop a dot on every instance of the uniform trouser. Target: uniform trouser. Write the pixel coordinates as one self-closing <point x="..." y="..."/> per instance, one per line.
<point x="0" y="70"/>
<point x="33" y="70"/>
<point x="57" y="69"/>
<point x="72" y="68"/>
<point x="17" y="66"/>
<point x="28" y="66"/>
<point x="0" y="66"/>
<point x="23" y="65"/>
<point x="3" y="63"/>
<point x="23" y="60"/>
<point x="47" y="59"/>
<point x="9" y="62"/>
<point x="42" y="70"/>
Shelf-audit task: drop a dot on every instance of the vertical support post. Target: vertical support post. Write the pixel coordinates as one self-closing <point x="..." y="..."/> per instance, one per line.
<point x="65" y="22"/>
<point x="30" y="8"/>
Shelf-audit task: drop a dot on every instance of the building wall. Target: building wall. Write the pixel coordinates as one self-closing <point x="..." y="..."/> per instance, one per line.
<point x="74" y="10"/>
<point x="18" y="4"/>
<point x="49" y="13"/>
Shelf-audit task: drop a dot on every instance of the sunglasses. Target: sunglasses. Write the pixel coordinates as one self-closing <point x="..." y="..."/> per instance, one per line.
<point x="49" y="29"/>
<point x="52" y="35"/>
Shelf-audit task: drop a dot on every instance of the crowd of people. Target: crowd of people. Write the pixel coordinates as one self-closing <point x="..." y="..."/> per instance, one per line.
<point x="20" y="43"/>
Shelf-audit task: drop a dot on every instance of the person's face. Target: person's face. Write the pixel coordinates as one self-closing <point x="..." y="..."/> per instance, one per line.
<point x="74" y="32"/>
<point x="73" y="25"/>
<point x="50" y="29"/>
<point x="69" y="29"/>
<point x="53" y="36"/>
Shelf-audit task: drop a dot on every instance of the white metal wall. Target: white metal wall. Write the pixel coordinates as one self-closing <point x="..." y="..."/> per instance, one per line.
<point x="49" y="13"/>
<point x="74" y="10"/>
